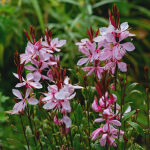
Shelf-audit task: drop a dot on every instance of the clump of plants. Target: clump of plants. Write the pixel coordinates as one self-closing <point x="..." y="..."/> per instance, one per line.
<point x="90" y="114"/>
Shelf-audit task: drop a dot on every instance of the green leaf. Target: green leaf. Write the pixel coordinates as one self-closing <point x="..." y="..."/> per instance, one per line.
<point x="131" y="87"/>
<point x="128" y="115"/>
<point x="135" y="146"/>
<point x="135" y="92"/>
<point x="104" y="2"/>
<point x="3" y="117"/>
<point x="1" y="55"/>
<point x="98" y="147"/>
<point x="141" y="9"/>
<point x="75" y="21"/>
<point x="70" y="1"/>
<point x="79" y="114"/>
<point x="76" y="142"/>
<point x="137" y="127"/>
<point x="39" y="13"/>
<point x="100" y="19"/>
<point x="136" y="22"/>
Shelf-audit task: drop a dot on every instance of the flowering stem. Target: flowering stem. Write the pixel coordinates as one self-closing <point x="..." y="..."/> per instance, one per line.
<point x="35" y="129"/>
<point x="148" y="120"/>
<point x="89" y="124"/>
<point x="115" y="87"/>
<point x="70" y="136"/>
<point x="24" y="132"/>
<point x="67" y="141"/>
<point x="30" y="123"/>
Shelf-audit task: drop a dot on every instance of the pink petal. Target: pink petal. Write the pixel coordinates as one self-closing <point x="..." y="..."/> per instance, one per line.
<point x="29" y="76"/>
<point x="103" y="140"/>
<point x="99" y="120"/>
<point x="128" y="46"/>
<point x="105" y="54"/>
<point x="90" y="69"/>
<point x="111" y="140"/>
<point x="54" y="41"/>
<point x="30" y="67"/>
<point x="18" y="107"/>
<point x="99" y="39"/>
<point x="110" y="37"/>
<point x="66" y="81"/>
<point x="37" y="76"/>
<point x="20" y="84"/>
<point x="82" y="61"/>
<point x="48" y="97"/>
<point x="103" y="30"/>
<point x="67" y="121"/>
<point x="17" y="93"/>
<point x="36" y="85"/>
<point x="122" y="66"/>
<point x="95" y="106"/>
<point x="105" y="127"/>
<point x="66" y="106"/>
<point x="107" y="112"/>
<point x="71" y="97"/>
<point x="115" y="122"/>
<point x="96" y="133"/>
<point x="61" y="43"/>
<point x="124" y="35"/>
<point x="49" y="105"/>
<point x="27" y="92"/>
<point x="124" y="26"/>
<point x="33" y="101"/>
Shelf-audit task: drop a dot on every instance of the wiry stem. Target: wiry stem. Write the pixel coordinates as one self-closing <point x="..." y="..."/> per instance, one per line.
<point x="115" y="87"/>
<point x="30" y="123"/>
<point x="148" y="120"/>
<point x="24" y="132"/>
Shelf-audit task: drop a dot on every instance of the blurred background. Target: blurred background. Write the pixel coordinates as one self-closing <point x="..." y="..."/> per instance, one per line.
<point x="69" y="19"/>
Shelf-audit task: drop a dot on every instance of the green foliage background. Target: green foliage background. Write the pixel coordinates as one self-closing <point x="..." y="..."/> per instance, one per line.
<point x="69" y="19"/>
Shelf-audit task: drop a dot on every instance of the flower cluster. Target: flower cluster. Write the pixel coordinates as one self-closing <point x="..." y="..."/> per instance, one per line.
<point x="108" y="131"/>
<point x="43" y="67"/>
<point x="105" y="52"/>
<point x="104" y="56"/>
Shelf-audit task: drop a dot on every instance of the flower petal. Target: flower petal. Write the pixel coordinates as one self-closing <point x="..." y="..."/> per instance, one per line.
<point x="128" y="46"/>
<point x="33" y="101"/>
<point x="49" y="105"/>
<point x="82" y="61"/>
<point x="103" y="140"/>
<point x="122" y="66"/>
<point x="17" y="93"/>
<point x="67" y="121"/>
<point x="124" y="26"/>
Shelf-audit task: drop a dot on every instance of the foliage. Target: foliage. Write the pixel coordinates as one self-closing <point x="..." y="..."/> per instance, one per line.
<point x="69" y="19"/>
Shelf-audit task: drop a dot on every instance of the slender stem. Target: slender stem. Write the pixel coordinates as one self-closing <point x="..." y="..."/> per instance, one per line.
<point x="115" y="87"/>
<point x="70" y="137"/>
<point x="35" y="129"/>
<point x="89" y="124"/>
<point x="24" y="132"/>
<point x="148" y="119"/>
<point x="67" y="141"/>
<point x="30" y="123"/>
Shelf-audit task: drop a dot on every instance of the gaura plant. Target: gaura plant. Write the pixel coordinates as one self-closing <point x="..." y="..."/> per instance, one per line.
<point x="59" y="120"/>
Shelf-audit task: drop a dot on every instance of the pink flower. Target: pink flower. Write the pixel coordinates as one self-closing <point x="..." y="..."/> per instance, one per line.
<point x="96" y="133"/>
<point x="65" y="120"/>
<point x="29" y="83"/>
<point x="30" y="52"/>
<point x="98" y="70"/>
<point x="95" y="106"/>
<point x="18" y="107"/>
<point x="88" y="50"/>
<point x="52" y="45"/>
